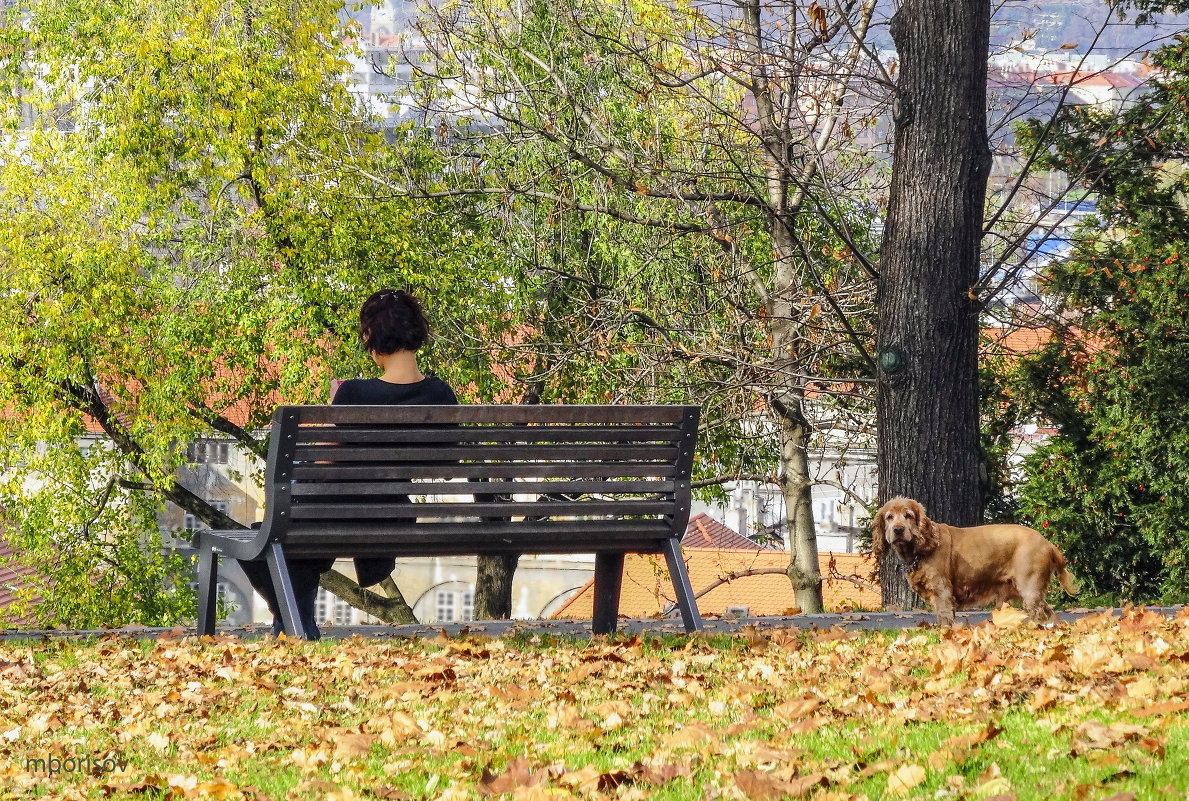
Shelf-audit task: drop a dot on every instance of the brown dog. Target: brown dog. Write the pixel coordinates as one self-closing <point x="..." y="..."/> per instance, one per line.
<point x="954" y="568"/>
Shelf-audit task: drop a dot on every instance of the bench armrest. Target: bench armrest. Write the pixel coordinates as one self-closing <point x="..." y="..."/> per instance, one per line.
<point x="239" y="543"/>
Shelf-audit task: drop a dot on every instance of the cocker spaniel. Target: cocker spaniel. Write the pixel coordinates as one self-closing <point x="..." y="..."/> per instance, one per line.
<point x="954" y="568"/>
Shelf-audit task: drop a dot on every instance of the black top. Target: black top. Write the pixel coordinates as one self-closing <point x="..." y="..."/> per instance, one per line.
<point x="429" y="391"/>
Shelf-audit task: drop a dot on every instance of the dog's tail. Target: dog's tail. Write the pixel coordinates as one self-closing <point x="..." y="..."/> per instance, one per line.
<point x="1068" y="582"/>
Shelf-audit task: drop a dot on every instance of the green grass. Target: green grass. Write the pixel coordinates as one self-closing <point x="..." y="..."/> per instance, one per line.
<point x="1066" y="713"/>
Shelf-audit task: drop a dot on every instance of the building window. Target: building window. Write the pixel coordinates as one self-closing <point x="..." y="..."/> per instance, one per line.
<point x="191" y="522"/>
<point x="322" y="606"/>
<point x="207" y="452"/>
<point x="445" y="606"/>
<point x="344" y="614"/>
<point x="451" y="601"/>
<point x="329" y="609"/>
<point x="227" y="598"/>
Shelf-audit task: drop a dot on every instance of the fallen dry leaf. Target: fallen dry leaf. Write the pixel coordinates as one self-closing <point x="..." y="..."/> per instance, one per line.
<point x="988" y="732"/>
<point x="994" y="788"/>
<point x="14" y="671"/>
<point x="796" y="709"/>
<point x="1044" y="698"/>
<point x="693" y="735"/>
<point x="903" y="779"/>
<point x="158" y="740"/>
<point x="1162" y="708"/>
<point x="396" y="728"/>
<point x="517" y="774"/>
<point x="217" y="789"/>
<point x="658" y="775"/>
<point x="351" y="745"/>
<point x="761" y="785"/>
<point x="585" y="780"/>
<point x="540" y="794"/>
<point x="1093" y="735"/>
<point x="809" y="725"/>
<point x="1009" y="618"/>
<point x="1140" y="661"/>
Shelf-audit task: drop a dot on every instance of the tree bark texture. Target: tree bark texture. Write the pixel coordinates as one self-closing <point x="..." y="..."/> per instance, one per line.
<point x="927" y="403"/>
<point x="493" y="587"/>
<point x="804" y="570"/>
<point x="390" y="609"/>
<point x="788" y="399"/>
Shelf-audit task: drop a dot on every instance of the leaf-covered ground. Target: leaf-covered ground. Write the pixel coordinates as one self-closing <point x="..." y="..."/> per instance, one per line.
<point x="1090" y="710"/>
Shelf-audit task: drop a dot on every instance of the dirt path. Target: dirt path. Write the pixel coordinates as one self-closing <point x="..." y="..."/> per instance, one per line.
<point x="568" y="628"/>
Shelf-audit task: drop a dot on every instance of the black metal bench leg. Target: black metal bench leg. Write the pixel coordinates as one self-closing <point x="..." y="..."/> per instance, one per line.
<point x="283" y="587"/>
<point x="681" y="586"/>
<point x="208" y="577"/>
<point x="608" y="579"/>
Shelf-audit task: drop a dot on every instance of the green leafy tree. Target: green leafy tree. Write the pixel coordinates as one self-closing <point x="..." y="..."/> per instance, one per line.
<point x="103" y="563"/>
<point x="688" y="190"/>
<point x="186" y="233"/>
<point x="1110" y="486"/>
<point x="686" y="206"/>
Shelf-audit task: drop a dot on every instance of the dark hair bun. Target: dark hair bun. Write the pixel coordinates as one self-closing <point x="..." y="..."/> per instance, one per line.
<point x="392" y="320"/>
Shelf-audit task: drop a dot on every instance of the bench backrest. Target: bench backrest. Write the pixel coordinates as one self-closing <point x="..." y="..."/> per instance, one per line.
<point x="442" y="480"/>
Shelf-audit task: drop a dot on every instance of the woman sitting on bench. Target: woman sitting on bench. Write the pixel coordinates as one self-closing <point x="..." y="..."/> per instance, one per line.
<point x="392" y="327"/>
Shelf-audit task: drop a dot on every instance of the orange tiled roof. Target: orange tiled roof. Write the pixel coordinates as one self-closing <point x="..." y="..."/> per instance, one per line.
<point x="1015" y="340"/>
<point x="12" y="574"/>
<point x="704" y="531"/>
<point x="1116" y="80"/>
<point x="647" y="591"/>
<point x="236" y="412"/>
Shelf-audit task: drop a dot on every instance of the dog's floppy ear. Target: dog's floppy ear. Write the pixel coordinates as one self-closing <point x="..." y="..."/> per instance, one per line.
<point x="926" y="530"/>
<point x="877" y="533"/>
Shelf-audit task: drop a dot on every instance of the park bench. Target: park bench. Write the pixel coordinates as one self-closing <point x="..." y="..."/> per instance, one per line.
<point x="359" y="481"/>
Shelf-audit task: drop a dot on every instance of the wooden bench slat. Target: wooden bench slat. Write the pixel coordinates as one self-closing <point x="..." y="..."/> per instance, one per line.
<point x="354" y="510"/>
<point x="545" y="545"/>
<point x="483" y="529"/>
<point x="396" y="415"/>
<point x="479" y="532"/>
<point x="357" y="453"/>
<point x="586" y="487"/>
<point x="441" y="540"/>
<point x="508" y="434"/>
<point x="477" y="470"/>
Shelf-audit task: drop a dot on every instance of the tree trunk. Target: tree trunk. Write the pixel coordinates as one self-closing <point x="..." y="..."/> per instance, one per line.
<point x="391" y="609"/>
<point x="927" y="404"/>
<point x="796" y="486"/>
<point x="493" y="587"/>
<point x="787" y="399"/>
